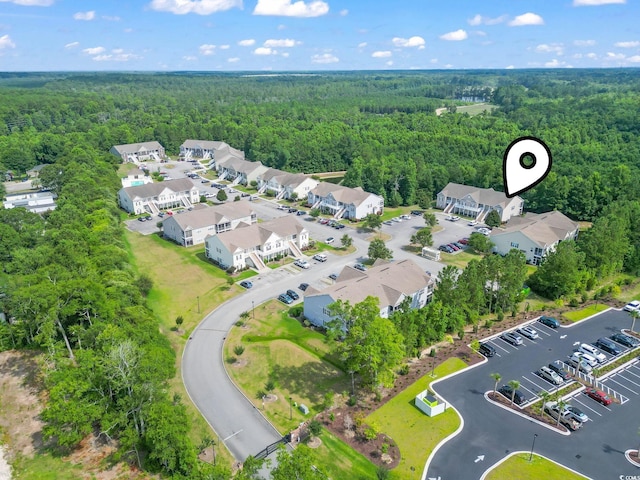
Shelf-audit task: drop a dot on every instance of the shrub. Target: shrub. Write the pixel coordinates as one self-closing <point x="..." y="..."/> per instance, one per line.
<point x="179" y="320"/>
<point x="403" y="370"/>
<point x="315" y="427"/>
<point x="488" y="323"/>
<point x="352" y="401"/>
<point x="371" y="432"/>
<point x="460" y="334"/>
<point x="585" y="297"/>
<point x="231" y="360"/>
<point x="432" y="352"/>
<point x="239" y="323"/>
<point x="382" y="473"/>
<point x="358" y="419"/>
<point x="384" y="448"/>
<point x="328" y="401"/>
<point x="574" y="302"/>
<point x="499" y="314"/>
<point x="238" y="350"/>
<point x="296" y="311"/>
<point x="270" y="385"/>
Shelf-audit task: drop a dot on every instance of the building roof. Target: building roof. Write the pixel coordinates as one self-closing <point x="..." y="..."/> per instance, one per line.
<point x="286" y="179"/>
<point x="240" y="165"/>
<point x="543" y="229"/>
<point x="484" y="196"/>
<point x="203" y="144"/>
<point x="208" y="216"/>
<point x="388" y="281"/>
<point x="135" y="172"/>
<point x="342" y="194"/>
<point x="130" y="148"/>
<point x="154" y="189"/>
<point x="257" y="234"/>
<point x="37" y="168"/>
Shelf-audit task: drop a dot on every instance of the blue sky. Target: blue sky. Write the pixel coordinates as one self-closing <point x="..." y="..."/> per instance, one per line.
<point x="231" y="35"/>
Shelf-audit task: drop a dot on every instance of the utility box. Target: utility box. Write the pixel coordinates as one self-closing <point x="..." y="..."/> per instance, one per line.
<point x="303" y="408"/>
<point x="431" y="254"/>
<point x="429" y="404"/>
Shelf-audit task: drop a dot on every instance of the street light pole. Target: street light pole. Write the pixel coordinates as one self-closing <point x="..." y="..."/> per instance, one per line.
<point x="290" y="409"/>
<point x="535" y="435"/>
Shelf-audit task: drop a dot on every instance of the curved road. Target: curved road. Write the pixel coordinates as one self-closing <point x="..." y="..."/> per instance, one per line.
<point x="238" y="423"/>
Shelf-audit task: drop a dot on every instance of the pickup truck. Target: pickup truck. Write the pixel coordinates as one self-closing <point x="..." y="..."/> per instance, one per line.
<point x="551" y="408"/>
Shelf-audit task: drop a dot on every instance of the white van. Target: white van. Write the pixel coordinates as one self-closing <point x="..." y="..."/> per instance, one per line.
<point x="593" y="351"/>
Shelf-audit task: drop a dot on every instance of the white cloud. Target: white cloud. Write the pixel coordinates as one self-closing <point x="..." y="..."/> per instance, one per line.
<point x="526" y="19"/>
<point x="555" y="48"/>
<point x="282" y="27"/>
<point x="265" y="51"/>
<point x="286" y="8"/>
<point x="247" y="43"/>
<point x="584" y="43"/>
<point x="414" y="41"/>
<point x="615" y="56"/>
<point x="116" y="57"/>
<point x="6" y="42"/>
<point x="344" y="12"/>
<point x="480" y="33"/>
<point x="481" y="20"/>
<point x="110" y="18"/>
<point x="434" y="60"/>
<point x="233" y="60"/>
<point x="200" y="7"/>
<point x="362" y="45"/>
<point x="389" y="63"/>
<point x="591" y="55"/>
<point x="31" y="3"/>
<point x="285" y="54"/>
<point x="224" y="47"/>
<point x="281" y="43"/>
<point x="583" y="3"/>
<point x="190" y="58"/>
<point x="90" y="15"/>
<point x="381" y="54"/>
<point x="93" y="50"/>
<point x="633" y="44"/>
<point x="325" y="58"/>
<point x="509" y="67"/>
<point x="128" y="30"/>
<point x="454" y="36"/>
<point x="207" y="49"/>
<point x="72" y="45"/>
<point x="634" y="59"/>
<point x="554" y="63"/>
<point x="577" y="55"/>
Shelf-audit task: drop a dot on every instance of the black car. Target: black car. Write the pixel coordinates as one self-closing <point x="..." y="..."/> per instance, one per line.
<point x="564" y="375"/>
<point x="292" y="294"/>
<point x="333" y="276"/>
<point x="300" y="213"/>
<point x="445" y="248"/>
<point x="626" y="340"/>
<point x="417" y="212"/>
<point x="142" y="219"/>
<point x="303" y="286"/>
<point x="246" y="284"/>
<point x="284" y="298"/>
<point x="518" y="398"/>
<point x="293" y="210"/>
<point x="608" y="346"/>
<point x="549" y="322"/>
<point x="487" y="350"/>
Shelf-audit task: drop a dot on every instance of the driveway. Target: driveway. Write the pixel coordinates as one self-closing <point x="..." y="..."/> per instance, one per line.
<point x="490" y="432"/>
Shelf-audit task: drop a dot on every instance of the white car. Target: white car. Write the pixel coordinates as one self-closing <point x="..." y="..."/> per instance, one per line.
<point x="453" y="218"/>
<point x="528" y="332"/>
<point x="586" y="358"/>
<point x="550" y="376"/>
<point x="329" y="240"/>
<point x="484" y="231"/>
<point x="472" y="223"/>
<point x="632" y="306"/>
<point x="593" y="351"/>
<point x="302" y="264"/>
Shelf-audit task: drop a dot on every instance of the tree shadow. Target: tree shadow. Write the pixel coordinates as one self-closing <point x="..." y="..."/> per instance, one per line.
<point x="310" y="380"/>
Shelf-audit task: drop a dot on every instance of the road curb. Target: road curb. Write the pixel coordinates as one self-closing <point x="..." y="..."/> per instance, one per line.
<point x="507" y="457"/>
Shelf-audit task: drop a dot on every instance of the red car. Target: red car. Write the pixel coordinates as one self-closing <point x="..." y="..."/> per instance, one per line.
<point x="464" y="241"/>
<point x="598" y="395"/>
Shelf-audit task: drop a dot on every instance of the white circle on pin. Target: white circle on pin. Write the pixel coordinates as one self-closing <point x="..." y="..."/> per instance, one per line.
<point x="527" y="161"/>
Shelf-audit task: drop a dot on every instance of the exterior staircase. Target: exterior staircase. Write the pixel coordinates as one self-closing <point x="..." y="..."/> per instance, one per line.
<point x="294" y="249"/>
<point x="257" y="262"/>
<point x="186" y="202"/>
<point x="153" y="207"/>
<point x="187" y="156"/>
<point x="317" y="204"/>
<point x="280" y="194"/>
<point x="155" y="157"/>
<point x="236" y="181"/>
<point x="207" y="156"/>
<point x="449" y="207"/>
<point x="262" y="188"/>
<point x="339" y="213"/>
<point x="482" y="215"/>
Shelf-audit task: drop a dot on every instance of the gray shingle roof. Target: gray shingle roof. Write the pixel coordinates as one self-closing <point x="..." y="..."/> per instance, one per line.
<point x="258" y="233"/>
<point x="137" y="147"/>
<point x="208" y="216"/>
<point x="342" y="194"/>
<point x="154" y="189"/>
<point x="484" y="196"/>
<point x="542" y="228"/>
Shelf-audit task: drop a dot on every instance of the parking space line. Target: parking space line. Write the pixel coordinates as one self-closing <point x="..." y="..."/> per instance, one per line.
<point x="541" y="331"/>
<point x="531" y="381"/>
<point x="631" y="373"/>
<point x="632" y="391"/>
<point x="628" y="380"/>
<point x="501" y="348"/>
<point x="540" y="324"/>
<point x="530" y="391"/>
<point x="586" y="406"/>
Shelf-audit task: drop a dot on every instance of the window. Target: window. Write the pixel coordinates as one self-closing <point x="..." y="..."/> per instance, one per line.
<point x="326" y="311"/>
<point x="515" y="244"/>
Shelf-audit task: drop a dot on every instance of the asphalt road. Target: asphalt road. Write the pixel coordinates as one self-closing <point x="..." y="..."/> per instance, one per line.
<point x="490" y="432"/>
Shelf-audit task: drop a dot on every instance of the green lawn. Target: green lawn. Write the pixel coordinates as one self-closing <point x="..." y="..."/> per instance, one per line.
<point x="45" y="467"/>
<point x="475" y="109"/>
<point x="577" y="315"/>
<point x="519" y="467"/>
<point x="334" y="458"/>
<point x="415" y="433"/>
<point x="297" y="359"/>
<point x="460" y="259"/>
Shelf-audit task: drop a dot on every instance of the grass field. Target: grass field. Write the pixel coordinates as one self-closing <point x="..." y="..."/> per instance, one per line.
<point x="335" y="458"/>
<point x="577" y="315"/>
<point x="44" y="466"/>
<point x="415" y="433"/>
<point x="518" y="467"/>
<point x="296" y="359"/>
<point x="475" y="109"/>
<point x="460" y="259"/>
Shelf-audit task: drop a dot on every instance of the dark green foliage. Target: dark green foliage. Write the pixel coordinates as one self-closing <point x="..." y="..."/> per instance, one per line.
<point x="480" y="243"/>
<point x="377" y="249"/>
<point x="315" y="427"/>
<point x="493" y="219"/>
<point x="221" y="196"/>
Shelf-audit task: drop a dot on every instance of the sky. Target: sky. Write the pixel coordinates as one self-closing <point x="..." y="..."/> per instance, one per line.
<point x="311" y="35"/>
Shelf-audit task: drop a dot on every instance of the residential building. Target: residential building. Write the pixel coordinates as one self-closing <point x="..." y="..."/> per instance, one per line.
<point x="135" y="177"/>
<point x="138" y="152"/>
<point x="238" y="170"/>
<point x="534" y="234"/>
<point x="478" y="202"/>
<point x="35" y="171"/>
<point x="345" y="202"/>
<point x="153" y="197"/>
<point x="285" y="184"/>
<point x="191" y="228"/>
<point x="391" y="282"/>
<point x="36" y="202"/>
<point x="208" y="150"/>
<point x="253" y="246"/>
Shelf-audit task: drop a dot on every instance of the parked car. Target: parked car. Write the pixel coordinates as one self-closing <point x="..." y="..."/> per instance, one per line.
<point x="361" y="267"/>
<point x="576" y="361"/>
<point x="632" y="306"/>
<point x="586" y="357"/>
<point x="324" y="221"/>
<point x="559" y="371"/>
<point x="339" y="226"/>
<point x="303" y="286"/>
<point x="549" y="322"/>
<point x="453" y="246"/>
<point x="388" y="222"/>
<point x="464" y="241"/>
<point x="608" y="346"/>
<point x="552" y="409"/>
<point x="293" y="294"/>
<point x="528" y="332"/>
<point x="142" y="219"/>
<point x="329" y="240"/>
<point x="161" y="214"/>
<point x="598" y="395"/>
<point x="292" y="210"/>
<point x="624" y="339"/>
<point x="512" y="338"/>
<point x="320" y="257"/>
<point x="445" y="248"/>
<point x="396" y="219"/>
<point x="518" y="398"/>
<point x="302" y="264"/>
<point x="484" y="231"/>
<point x="453" y="218"/>
<point x="300" y="213"/>
<point x="550" y="376"/>
<point x="576" y="413"/>
<point x="417" y="212"/>
<point x="472" y="223"/>
<point x="487" y="350"/>
<point x="246" y="284"/>
<point x="333" y="276"/>
<point x="458" y="244"/>
<point x="284" y="298"/>
<point x="204" y="180"/>
<point x="405" y="217"/>
<point x="593" y="351"/>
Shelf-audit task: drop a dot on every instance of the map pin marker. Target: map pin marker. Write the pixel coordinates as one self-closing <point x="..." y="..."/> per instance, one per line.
<point x="519" y="176"/>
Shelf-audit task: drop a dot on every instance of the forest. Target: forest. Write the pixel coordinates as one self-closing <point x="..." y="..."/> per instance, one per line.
<point x="67" y="286"/>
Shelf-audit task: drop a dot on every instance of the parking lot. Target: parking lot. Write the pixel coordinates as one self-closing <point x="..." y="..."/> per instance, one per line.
<point x="596" y="450"/>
